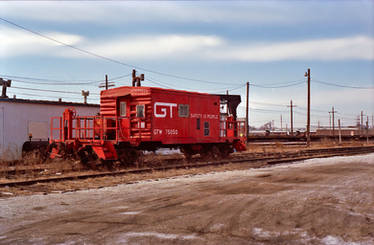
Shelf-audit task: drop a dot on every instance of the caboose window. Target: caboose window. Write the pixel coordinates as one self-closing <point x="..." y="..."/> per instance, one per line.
<point x="206" y="128"/>
<point x="183" y="110"/>
<point x="140" y="111"/>
<point x="122" y="109"/>
<point x="198" y="123"/>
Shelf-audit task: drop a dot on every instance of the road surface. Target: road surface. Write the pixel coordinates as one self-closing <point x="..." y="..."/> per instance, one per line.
<point x="318" y="201"/>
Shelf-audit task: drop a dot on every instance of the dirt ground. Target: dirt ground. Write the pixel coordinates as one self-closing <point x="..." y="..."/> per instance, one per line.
<point x="319" y="201"/>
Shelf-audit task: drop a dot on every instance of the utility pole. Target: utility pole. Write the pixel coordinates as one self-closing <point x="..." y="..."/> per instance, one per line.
<point x="5" y="84"/>
<point x="333" y="120"/>
<point x="340" y="132"/>
<point x="85" y="94"/>
<point x="281" y="123"/>
<point x="307" y="74"/>
<point x="367" y="130"/>
<point x="247" y="113"/>
<point x="107" y="83"/>
<point x="330" y="120"/>
<point x="362" y="122"/>
<point x="291" y="111"/>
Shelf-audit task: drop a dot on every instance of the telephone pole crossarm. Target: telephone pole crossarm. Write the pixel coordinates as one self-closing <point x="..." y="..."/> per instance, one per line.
<point x="5" y="84"/>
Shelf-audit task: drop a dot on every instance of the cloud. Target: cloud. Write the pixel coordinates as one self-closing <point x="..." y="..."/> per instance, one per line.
<point x="359" y="47"/>
<point x="156" y="46"/>
<point x="123" y="12"/>
<point x="339" y="97"/>
<point x="17" y="43"/>
<point x="186" y="46"/>
<point x="216" y="48"/>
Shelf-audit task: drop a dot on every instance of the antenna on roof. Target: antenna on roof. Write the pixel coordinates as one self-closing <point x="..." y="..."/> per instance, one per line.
<point x="136" y="80"/>
<point x="85" y="94"/>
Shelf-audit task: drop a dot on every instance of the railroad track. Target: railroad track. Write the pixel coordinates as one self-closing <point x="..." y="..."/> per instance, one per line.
<point x="271" y="159"/>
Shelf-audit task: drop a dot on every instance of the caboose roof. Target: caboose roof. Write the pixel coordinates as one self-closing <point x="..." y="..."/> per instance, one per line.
<point x="127" y="90"/>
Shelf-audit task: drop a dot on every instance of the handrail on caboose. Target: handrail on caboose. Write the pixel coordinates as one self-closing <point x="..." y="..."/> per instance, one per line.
<point x="232" y="129"/>
<point x="93" y="129"/>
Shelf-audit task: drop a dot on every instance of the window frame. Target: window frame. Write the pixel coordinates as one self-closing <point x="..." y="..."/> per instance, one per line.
<point x="180" y="106"/>
<point x="122" y="108"/>
<point x="206" y="128"/>
<point x="137" y="110"/>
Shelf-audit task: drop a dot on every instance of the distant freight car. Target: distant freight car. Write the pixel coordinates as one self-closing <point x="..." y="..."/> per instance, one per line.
<point x="133" y="119"/>
<point x="24" y="124"/>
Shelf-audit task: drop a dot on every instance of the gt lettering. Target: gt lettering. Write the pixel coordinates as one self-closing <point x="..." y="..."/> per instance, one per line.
<point x="163" y="110"/>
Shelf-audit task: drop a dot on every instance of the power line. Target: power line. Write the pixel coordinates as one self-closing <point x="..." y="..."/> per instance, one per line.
<point x="48" y="90"/>
<point x="267" y="104"/>
<point x="130" y="65"/>
<point x="229" y="90"/>
<point x="260" y="109"/>
<point x="171" y="86"/>
<point x="56" y="82"/>
<point x="341" y="85"/>
<point x="47" y="96"/>
<point x="106" y="58"/>
<point x="295" y="83"/>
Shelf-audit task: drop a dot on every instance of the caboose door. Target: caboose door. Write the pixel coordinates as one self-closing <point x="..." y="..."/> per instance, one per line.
<point x="123" y="112"/>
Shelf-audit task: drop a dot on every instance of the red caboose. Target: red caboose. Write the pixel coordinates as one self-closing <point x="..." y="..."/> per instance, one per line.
<point x="133" y="119"/>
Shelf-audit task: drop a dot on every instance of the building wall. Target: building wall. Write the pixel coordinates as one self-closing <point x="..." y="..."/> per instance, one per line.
<point x="17" y="120"/>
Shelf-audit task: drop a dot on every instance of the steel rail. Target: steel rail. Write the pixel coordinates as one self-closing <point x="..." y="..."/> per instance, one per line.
<point x="270" y="160"/>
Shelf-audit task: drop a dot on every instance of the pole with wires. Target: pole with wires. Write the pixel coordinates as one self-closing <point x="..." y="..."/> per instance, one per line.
<point x="281" y="121"/>
<point x="247" y="114"/>
<point x="340" y="132"/>
<point x="85" y="94"/>
<point x="307" y="74"/>
<point x="291" y="111"/>
<point x="333" y="121"/>
<point x="367" y="129"/>
<point x="5" y="84"/>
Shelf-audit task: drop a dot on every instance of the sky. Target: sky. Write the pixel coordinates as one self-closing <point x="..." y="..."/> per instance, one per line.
<point x="205" y="46"/>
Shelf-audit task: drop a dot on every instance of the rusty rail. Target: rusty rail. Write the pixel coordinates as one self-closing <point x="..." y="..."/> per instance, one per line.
<point x="319" y="153"/>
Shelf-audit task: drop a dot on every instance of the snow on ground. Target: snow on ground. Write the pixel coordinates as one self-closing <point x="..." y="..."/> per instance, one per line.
<point x="21" y="211"/>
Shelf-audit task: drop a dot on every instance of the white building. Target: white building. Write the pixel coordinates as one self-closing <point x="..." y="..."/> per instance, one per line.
<point x="21" y="118"/>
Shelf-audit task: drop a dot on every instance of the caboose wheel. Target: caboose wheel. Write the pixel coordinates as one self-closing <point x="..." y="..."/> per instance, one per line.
<point x="140" y="159"/>
<point x="206" y="154"/>
<point x="108" y="164"/>
<point x="188" y="156"/>
<point x="225" y="151"/>
<point x="88" y="157"/>
<point x="130" y="156"/>
<point x="187" y="152"/>
<point x="215" y="152"/>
